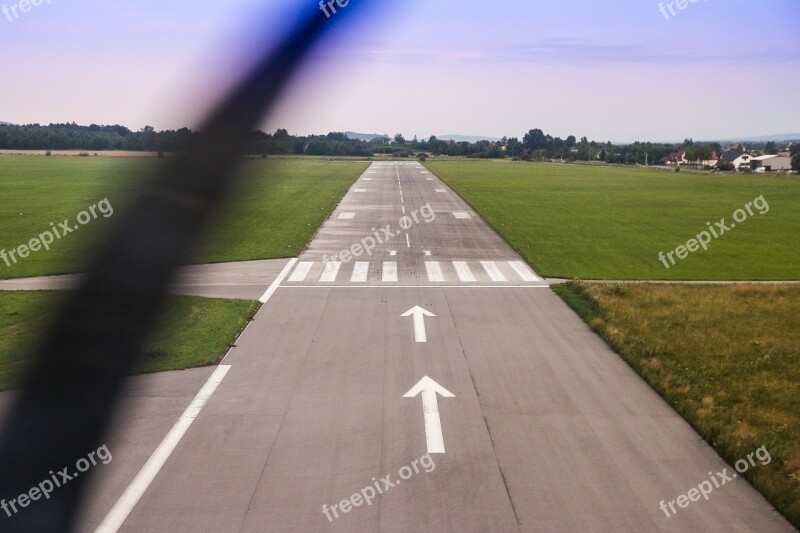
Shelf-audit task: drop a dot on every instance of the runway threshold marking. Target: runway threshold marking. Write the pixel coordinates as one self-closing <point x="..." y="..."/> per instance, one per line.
<point x="493" y="270"/>
<point x="390" y="271"/>
<point x="430" y="407"/>
<point x="523" y="271"/>
<point x="330" y="272"/>
<point x="463" y="272"/>
<point x="122" y="509"/>
<point x="301" y="271"/>
<point x="382" y="287"/>
<point x="434" y="271"/>
<point x="360" y="272"/>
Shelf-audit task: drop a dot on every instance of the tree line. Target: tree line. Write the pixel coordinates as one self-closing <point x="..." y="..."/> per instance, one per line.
<point x="534" y="145"/>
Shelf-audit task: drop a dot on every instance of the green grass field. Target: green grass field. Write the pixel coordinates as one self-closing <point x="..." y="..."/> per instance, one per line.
<point x="727" y="358"/>
<point x="276" y="209"/>
<point x="192" y="331"/>
<point x="597" y="222"/>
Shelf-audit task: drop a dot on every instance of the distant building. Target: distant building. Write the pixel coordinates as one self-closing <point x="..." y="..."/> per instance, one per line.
<point x="711" y="161"/>
<point x="771" y="163"/>
<point x="675" y="158"/>
<point x="739" y="160"/>
<point x="738" y="147"/>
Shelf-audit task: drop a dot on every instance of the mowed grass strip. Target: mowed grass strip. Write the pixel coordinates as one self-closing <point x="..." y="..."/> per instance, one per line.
<point x="192" y="331"/>
<point x="277" y="208"/>
<point x="274" y="212"/>
<point x="727" y="358"/>
<point x="602" y="222"/>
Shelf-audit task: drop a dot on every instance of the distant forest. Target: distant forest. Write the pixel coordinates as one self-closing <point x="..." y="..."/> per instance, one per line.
<point x="535" y="145"/>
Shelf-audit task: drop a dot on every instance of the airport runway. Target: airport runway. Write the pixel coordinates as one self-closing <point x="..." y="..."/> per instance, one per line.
<point x="442" y="341"/>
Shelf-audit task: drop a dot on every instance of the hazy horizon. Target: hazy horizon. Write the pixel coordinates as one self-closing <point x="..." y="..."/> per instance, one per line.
<point x="622" y="72"/>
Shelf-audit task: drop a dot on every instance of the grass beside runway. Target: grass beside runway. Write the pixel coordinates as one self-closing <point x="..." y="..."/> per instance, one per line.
<point x="275" y="211"/>
<point x="192" y="331"/>
<point x="727" y="358"/>
<point x="603" y="222"/>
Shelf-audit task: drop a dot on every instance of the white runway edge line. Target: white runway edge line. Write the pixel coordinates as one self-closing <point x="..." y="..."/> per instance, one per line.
<point x="275" y="284"/>
<point x="119" y="513"/>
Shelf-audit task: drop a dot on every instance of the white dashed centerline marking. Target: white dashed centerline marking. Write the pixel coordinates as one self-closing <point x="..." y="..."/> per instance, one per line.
<point x="347" y="215"/>
<point x="462" y="215"/>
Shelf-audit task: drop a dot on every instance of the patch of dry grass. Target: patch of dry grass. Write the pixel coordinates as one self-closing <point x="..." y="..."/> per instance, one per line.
<point x="727" y="357"/>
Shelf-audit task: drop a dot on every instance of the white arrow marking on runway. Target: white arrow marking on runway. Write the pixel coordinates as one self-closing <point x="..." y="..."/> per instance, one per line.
<point x="419" y="315"/>
<point x="430" y="406"/>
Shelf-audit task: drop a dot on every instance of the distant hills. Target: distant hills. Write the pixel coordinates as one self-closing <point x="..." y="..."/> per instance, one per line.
<point x="5" y="123"/>
<point x="365" y="136"/>
<point x="466" y="138"/>
<point x="760" y="139"/>
<point x="455" y="138"/>
<point x="783" y="137"/>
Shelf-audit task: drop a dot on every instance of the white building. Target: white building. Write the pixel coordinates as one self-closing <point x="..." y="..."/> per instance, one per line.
<point x="771" y="163"/>
<point x="742" y="162"/>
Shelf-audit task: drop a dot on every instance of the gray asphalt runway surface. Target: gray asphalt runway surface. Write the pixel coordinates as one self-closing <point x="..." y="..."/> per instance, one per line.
<point x="532" y="422"/>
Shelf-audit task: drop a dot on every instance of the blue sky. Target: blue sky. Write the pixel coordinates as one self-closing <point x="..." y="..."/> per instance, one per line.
<point x="614" y="70"/>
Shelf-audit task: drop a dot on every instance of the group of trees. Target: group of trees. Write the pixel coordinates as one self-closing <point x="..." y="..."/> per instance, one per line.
<point x="534" y="145"/>
<point x="94" y="137"/>
<point x="795" y="151"/>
